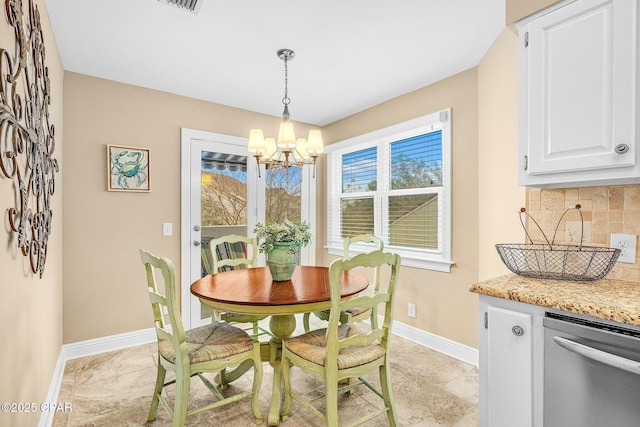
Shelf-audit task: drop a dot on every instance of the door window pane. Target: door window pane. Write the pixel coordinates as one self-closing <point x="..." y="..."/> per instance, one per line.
<point x="224" y="191"/>
<point x="283" y="191"/>
<point x="223" y="201"/>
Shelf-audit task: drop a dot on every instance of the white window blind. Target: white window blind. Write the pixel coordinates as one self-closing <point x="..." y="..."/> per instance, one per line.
<point x="395" y="183"/>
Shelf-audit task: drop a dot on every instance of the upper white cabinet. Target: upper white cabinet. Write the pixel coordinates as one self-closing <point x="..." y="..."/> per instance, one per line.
<point x="578" y="95"/>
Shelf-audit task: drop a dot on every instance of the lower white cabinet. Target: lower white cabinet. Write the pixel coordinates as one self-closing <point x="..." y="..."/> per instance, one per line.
<point x="511" y="357"/>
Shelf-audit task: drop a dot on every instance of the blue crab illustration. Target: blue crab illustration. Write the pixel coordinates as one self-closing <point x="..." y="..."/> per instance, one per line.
<point x="129" y="164"/>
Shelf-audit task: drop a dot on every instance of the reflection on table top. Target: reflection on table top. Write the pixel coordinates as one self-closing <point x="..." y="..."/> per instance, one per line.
<point x="254" y="286"/>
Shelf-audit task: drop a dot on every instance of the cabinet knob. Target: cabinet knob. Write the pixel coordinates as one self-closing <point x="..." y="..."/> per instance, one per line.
<point x="622" y="148"/>
<point x="517" y="331"/>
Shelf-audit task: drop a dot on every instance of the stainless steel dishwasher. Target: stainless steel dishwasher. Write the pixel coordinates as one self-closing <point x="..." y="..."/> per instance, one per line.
<point x="591" y="373"/>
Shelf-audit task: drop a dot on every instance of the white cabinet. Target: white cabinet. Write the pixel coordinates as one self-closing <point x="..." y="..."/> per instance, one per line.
<point x="511" y="356"/>
<point x="578" y="110"/>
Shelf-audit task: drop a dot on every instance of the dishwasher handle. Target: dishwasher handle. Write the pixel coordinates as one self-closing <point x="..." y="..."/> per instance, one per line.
<point x="599" y="355"/>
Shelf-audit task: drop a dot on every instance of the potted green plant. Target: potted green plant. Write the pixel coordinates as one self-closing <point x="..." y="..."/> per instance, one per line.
<point x="281" y="242"/>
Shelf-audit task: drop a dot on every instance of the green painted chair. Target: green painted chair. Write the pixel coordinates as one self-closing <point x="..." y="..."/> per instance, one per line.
<point x="229" y="253"/>
<point x="356" y="314"/>
<point x="343" y="351"/>
<point x="206" y="349"/>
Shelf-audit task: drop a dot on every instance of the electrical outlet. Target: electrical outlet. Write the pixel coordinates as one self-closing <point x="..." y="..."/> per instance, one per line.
<point x="627" y="245"/>
<point x="411" y="310"/>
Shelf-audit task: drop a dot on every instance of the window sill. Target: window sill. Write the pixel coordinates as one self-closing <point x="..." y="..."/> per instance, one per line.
<point x="409" y="258"/>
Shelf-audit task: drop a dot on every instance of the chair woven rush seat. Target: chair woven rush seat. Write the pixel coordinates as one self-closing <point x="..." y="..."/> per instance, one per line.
<point x="214" y="341"/>
<point x="312" y="346"/>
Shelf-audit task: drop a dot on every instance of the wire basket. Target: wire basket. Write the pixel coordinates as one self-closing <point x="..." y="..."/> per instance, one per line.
<point x="561" y="262"/>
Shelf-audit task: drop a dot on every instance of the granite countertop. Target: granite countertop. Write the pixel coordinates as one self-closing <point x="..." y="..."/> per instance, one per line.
<point x="615" y="300"/>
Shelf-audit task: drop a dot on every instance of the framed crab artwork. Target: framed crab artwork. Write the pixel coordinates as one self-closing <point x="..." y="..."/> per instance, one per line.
<point x="127" y="168"/>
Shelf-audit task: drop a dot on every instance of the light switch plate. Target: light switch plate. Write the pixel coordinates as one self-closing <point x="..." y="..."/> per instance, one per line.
<point x="411" y="311"/>
<point x="627" y="245"/>
<point x="167" y="229"/>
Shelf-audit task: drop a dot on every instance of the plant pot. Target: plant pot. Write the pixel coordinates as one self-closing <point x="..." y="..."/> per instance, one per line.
<point x="282" y="261"/>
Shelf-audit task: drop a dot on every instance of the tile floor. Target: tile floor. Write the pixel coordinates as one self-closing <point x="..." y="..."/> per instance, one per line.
<point x="114" y="388"/>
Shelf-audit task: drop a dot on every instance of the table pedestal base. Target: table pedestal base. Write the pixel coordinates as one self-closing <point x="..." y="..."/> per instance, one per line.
<point x="281" y="326"/>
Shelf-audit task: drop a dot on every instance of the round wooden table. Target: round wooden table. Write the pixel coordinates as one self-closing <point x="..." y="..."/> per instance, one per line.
<point x="253" y="291"/>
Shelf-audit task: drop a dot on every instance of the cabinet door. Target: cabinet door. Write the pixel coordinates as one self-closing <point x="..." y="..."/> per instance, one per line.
<point x="580" y="82"/>
<point x="510" y="368"/>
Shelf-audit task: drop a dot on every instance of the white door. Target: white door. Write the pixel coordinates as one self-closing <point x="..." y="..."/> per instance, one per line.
<point x="223" y="194"/>
<point x="219" y="197"/>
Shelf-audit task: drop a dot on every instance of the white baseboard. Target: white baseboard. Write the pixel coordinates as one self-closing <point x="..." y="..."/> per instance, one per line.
<point x="46" y="417"/>
<point x="87" y="348"/>
<point x="435" y="342"/>
<point x="110" y="343"/>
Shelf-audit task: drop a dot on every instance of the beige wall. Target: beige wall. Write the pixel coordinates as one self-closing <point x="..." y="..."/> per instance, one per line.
<point x="30" y="307"/>
<point x="443" y="304"/>
<point x="103" y="275"/>
<point x="518" y="9"/>
<point x="500" y="196"/>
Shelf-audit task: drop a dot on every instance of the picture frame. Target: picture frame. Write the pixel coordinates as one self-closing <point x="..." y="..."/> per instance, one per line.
<point x="128" y="168"/>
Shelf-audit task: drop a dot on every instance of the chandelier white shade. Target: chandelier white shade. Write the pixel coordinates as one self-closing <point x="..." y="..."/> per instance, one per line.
<point x="286" y="150"/>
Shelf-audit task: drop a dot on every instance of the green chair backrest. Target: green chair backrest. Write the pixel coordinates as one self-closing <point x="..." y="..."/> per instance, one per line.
<point x="174" y="330"/>
<point x="383" y="295"/>
<point x="233" y="251"/>
<point x="378" y="245"/>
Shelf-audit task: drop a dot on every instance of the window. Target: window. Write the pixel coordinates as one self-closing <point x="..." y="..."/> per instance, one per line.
<point x="395" y="183"/>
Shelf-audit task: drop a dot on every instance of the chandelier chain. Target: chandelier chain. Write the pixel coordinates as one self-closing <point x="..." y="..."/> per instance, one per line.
<point x="286" y="100"/>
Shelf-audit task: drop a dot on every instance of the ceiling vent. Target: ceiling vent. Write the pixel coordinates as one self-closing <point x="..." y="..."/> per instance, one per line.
<point x="190" y="5"/>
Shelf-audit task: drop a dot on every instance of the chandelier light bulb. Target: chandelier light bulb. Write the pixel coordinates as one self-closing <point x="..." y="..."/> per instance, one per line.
<point x="315" y="144"/>
<point x="256" y="141"/>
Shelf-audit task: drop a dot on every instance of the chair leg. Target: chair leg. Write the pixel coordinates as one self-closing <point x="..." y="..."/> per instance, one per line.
<point x="387" y="392"/>
<point x="257" y="381"/>
<point x="183" y="381"/>
<point x="224" y="382"/>
<point x="156" y="391"/>
<point x="305" y="321"/>
<point x="286" y="379"/>
<point x="332" y="398"/>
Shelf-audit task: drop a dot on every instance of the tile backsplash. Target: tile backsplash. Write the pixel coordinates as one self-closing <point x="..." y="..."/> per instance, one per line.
<point x="606" y="210"/>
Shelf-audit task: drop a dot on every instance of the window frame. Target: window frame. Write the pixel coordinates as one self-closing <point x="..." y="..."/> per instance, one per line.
<point x="437" y="260"/>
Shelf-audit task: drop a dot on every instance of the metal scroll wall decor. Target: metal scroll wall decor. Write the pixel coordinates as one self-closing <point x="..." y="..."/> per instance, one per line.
<point x="26" y="136"/>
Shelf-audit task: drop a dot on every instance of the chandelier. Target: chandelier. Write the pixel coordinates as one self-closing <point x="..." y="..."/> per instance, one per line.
<point x="286" y="151"/>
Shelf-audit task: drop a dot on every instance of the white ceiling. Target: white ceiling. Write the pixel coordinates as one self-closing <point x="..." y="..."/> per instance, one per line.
<point x="350" y="54"/>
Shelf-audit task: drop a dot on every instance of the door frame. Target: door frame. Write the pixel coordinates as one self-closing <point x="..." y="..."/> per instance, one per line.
<point x="308" y="211"/>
